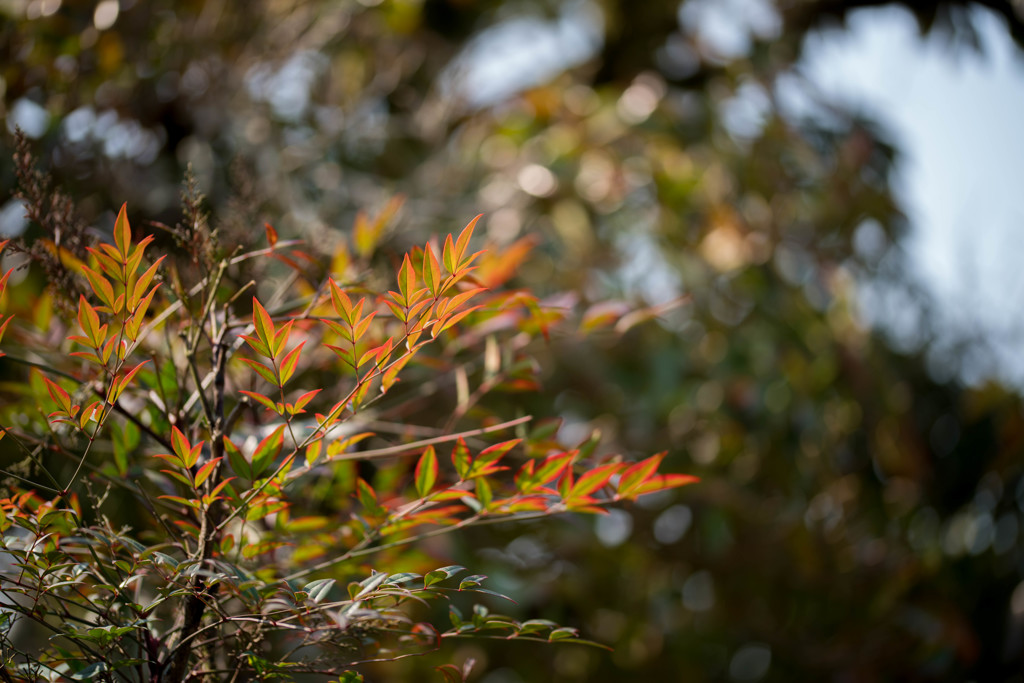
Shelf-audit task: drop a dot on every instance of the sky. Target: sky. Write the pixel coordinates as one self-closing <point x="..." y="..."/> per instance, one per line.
<point x="958" y="118"/>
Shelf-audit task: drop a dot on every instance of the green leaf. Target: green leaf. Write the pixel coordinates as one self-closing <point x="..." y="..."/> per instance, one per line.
<point x="267" y="451"/>
<point x="260" y="398"/>
<point x="263" y="324"/>
<point x="289" y="362"/>
<point x="471" y="581"/>
<point x="438" y="575"/>
<point x="318" y="590"/>
<point x="262" y="370"/>
<point x="461" y="458"/>
<point x="563" y="633"/>
<point x="238" y="462"/>
<point x="426" y="472"/>
<point x="123" y="231"/>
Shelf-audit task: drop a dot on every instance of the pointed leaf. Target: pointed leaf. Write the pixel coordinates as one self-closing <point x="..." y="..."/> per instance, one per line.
<point x="463" y="243"/>
<point x="262" y="322"/>
<point x="426" y="472"/>
<point x="123" y="232"/>
<point x="461" y="458"/>
<point x="289" y="362"/>
<point x="267" y="451"/>
<point x="259" y="398"/>
<point x="431" y="270"/>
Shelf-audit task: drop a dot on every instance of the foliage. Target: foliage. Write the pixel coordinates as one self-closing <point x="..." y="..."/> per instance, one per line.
<point x="268" y="524"/>
<point x="861" y="511"/>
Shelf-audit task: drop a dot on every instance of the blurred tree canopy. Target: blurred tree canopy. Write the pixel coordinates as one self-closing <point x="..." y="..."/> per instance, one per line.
<point x="860" y="515"/>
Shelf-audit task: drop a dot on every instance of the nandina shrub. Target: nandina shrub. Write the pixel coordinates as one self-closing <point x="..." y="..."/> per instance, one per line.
<point x="214" y="467"/>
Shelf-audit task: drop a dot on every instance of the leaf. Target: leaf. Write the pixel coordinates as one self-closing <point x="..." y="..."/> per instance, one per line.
<point x="406" y="280"/>
<point x="318" y="590"/>
<point x="485" y="461"/>
<point x="438" y="575"/>
<point x="431" y="270"/>
<point x="662" y="482"/>
<point x="593" y="480"/>
<point x="340" y="301"/>
<point x="289" y="362"/>
<point x="470" y="582"/>
<point x="426" y="472"/>
<point x="281" y="338"/>
<point x="461" y="458"/>
<point x="135" y="324"/>
<point x="271" y="234"/>
<point x="142" y="283"/>
<point x="257" y="345"/>
<point x="262" y="370"/>
<point x="60" y="397"/>
<point x="563" y="633"/>
<point x="205" y="471"/>
<point x="302" y="401"/>
<point x="238" y="462"/>
<point x="463" y="242"/>
<point x="267" y="451"/>
<point x="448" y="255"/>
<point x="122" y="232"/>
<point x="130" y="375"/>
<point x="441" y="326"/>
<point x="368" y="498"/>
<point x="314" y="451"/>
<point x="635" y="474"/>
<point x="260" y="398"/>
<point x="100" y="285"/>
<point x="263" y="324"/>
<point x="180" y="444"/>
<point x="89" y="321"/>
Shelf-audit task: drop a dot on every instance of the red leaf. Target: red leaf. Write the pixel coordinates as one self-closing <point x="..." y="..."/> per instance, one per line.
<point x="271" y="234"/>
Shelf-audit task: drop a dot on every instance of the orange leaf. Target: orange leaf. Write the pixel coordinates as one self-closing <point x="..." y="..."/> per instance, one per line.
<point x="123" y="232"/>
<point x="406" y="280"/>
<point x="262" y="322"/>
<point x="431" y="270"/>
<point x="463" y="242"/>
<point x="593" y="480"/>
<point x="271" y="234"/>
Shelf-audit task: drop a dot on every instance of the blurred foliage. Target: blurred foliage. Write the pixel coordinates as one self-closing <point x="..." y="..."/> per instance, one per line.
<point x="861" y="512"/>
